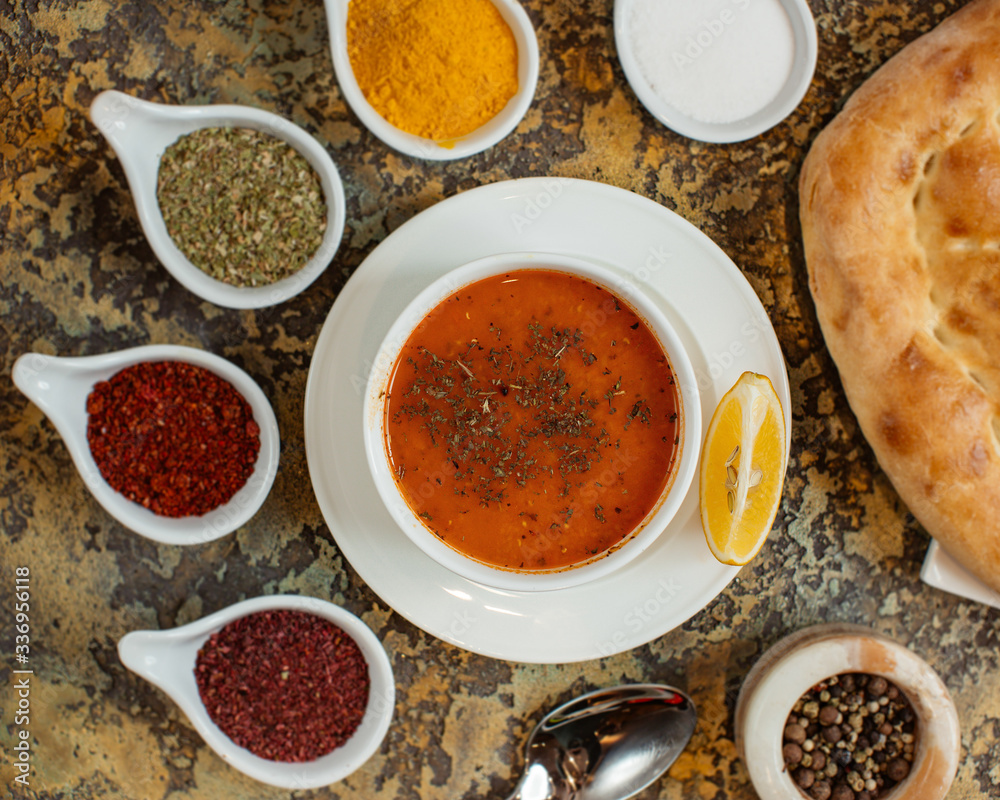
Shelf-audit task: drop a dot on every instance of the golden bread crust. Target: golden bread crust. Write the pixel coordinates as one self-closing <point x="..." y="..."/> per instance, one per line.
<point x="900" y="213"/>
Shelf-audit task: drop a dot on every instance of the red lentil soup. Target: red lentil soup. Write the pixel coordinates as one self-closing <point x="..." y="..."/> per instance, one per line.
<point x="532" y="420"/>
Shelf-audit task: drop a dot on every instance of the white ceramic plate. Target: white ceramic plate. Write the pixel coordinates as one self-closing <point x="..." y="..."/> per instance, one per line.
<point x="714" y="310"/>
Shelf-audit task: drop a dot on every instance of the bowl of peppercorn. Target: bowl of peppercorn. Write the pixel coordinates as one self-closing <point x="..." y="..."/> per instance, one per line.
<point x="243" y="207"/>
<point x="177" y="444"/>
<point x="294" y="691"/>
<point x="842" y="712"/>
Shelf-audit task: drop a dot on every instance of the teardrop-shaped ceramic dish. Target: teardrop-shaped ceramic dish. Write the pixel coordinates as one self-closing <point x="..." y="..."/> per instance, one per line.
<point x="139" y="132"/>
<point x="167" y="660"/>
<point x="60" y="386"/>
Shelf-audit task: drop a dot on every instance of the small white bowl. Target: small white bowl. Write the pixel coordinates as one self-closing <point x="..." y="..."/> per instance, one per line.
<point x="786" y="100"/>
<point x="800" y="661"/>
<point x="60" y="386"/>
<point x="139" y="132"/>
<point x="167" y="660"/>
<point x="419" y="146"/>
<point x="689" y="424"/>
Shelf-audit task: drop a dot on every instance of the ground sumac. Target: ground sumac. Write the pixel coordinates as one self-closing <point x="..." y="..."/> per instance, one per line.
<point x="286" y="685"/>
<point x="173" y="437"/>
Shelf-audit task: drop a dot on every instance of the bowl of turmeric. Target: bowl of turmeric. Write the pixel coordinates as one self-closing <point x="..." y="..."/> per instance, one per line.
<point x="438" y="80"/>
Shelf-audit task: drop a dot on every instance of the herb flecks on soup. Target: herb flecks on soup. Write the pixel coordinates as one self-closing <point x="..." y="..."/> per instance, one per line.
<point x="532" y="420"/>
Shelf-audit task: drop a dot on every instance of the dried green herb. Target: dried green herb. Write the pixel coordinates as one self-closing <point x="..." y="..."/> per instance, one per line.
<point x="243" y="206"/>
<point x="488" y="454"/>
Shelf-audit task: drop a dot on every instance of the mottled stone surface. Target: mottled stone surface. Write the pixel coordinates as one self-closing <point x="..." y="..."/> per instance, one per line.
<point x="77" y="277"/>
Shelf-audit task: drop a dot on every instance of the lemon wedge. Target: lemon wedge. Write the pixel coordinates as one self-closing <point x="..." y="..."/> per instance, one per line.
<point x="742" y="469"/>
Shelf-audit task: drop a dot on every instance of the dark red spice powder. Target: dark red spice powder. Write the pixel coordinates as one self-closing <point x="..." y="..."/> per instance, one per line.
<point x="286" y="685"/>
<point x="173" y="437"/>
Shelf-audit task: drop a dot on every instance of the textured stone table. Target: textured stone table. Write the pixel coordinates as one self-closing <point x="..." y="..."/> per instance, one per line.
<point x="77" y="277"/>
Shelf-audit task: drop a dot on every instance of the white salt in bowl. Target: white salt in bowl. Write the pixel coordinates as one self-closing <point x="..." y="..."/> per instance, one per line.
<point x="691" y="58"/>
<point x="418" y="146"/>
<point x="167" y="660"/>
<point x="636" y="541"/>
<point x="139" y="132"/>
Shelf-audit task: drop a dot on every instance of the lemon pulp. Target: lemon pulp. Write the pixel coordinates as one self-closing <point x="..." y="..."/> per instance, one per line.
<point x="742" y="469"/>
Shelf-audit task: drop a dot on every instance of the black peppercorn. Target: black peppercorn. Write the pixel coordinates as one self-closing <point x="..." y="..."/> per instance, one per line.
<point x="795" y="733"/>
<point x="805" y="777"/>
<point x="842" y="792"/>
<point x="897" y="769"/>
<point x="828" y="715"/>
<point x="792" y="753"/>
<point x="820" y="790"/>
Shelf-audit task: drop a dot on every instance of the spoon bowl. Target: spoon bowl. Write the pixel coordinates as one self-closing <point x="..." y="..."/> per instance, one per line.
<point x="60" y="386"/>
<point x="418" y="146"/>
<point x="167" y="660"/>
<point x="139" y="132"/>
<point x="608" y="744"/>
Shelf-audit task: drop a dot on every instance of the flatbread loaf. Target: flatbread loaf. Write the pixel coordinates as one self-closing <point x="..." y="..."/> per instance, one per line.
<point x="900" y="212"/>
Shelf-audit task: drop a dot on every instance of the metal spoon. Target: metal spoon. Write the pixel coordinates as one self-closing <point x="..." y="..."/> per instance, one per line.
<point x="607" y="744"/>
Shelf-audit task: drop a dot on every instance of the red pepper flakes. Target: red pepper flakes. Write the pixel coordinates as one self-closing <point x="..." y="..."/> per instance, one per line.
<point x="173" y="437"/>
<point x="286" y="685"/>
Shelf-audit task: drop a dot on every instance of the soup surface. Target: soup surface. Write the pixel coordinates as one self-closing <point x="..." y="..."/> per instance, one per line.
<point x="532" y="420"/>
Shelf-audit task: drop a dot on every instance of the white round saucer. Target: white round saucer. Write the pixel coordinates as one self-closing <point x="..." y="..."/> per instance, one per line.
<point x="714" y="310"/>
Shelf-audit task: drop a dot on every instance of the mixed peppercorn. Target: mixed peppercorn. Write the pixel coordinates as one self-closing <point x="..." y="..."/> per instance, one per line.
<point x="850" y="737"/>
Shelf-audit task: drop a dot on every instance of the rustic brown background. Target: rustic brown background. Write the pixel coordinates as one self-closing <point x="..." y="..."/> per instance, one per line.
<point x="77" y="277"/>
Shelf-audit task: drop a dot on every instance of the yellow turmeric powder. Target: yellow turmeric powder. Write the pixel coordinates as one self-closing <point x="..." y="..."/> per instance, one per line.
<point x="433" y="68"/>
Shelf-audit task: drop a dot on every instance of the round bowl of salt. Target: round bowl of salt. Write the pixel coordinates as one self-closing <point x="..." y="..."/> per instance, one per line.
<point x="717" y="70"/>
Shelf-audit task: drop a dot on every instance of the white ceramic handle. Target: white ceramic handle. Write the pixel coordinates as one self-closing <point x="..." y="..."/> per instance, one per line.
<point x="147" y="653"/>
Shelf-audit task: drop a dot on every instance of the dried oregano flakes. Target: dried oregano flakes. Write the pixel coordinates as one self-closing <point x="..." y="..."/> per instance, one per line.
<point x="242" y="205"/>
